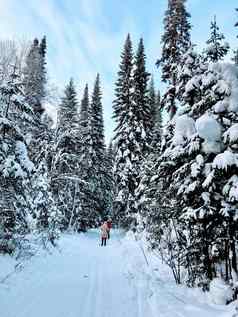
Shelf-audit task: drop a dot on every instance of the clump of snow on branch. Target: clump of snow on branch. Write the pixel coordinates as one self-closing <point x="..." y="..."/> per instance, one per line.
<point x="225" y="160"/>
<point x="184" y="129"/>
<point x="209" y="130"/>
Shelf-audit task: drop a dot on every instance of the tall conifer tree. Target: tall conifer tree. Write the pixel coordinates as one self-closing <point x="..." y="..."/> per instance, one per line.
<point x="141" y="106"/>
<point x="132" y="114"/>
<point x="65" y="171"/>
<point x="175" y="42"/>
<point x="216" y="49"/>
<point x="124" y="136"/>
<point x="98" y="173"/>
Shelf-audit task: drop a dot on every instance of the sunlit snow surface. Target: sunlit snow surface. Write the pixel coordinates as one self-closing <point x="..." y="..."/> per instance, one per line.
<point x="83" y="279"/>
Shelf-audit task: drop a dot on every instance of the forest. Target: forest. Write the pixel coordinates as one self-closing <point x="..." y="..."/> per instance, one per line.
<point x="169" y="173"/>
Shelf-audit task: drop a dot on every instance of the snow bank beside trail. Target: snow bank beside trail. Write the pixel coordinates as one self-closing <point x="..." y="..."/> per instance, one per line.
<point x="220" y="292"/>
<point x="7" y="266"/>
<point x="165" y="297"/>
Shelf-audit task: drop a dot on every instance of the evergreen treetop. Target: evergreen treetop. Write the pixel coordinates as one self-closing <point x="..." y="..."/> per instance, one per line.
<point x="69" y="107"/>
<point x="216" y="49"/>
<point x="175" y="42"/>
<point x="96" y="120"/>
<point x="84" y="109"/>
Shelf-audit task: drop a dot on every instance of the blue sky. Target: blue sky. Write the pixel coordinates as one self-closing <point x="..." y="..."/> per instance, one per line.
<point x="86" y="36"/>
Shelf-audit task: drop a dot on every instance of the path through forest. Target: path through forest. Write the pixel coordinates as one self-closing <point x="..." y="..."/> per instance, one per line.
<point x="86" y="280"/>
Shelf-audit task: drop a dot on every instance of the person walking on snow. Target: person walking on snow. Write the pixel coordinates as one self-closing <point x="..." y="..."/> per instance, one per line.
<point x="109" y="226"/>
<point x="104" y="233"/>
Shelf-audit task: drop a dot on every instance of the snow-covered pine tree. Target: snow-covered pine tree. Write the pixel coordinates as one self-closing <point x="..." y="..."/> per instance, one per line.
<point x="33" y="77"/>
<point x="67" y="116"/>
<point x="154" y="103"/>
<point x="190" y="67"/>
<point x="15" y="167"/>
<point x="121" y="113"/>
<point x="152" y="107"/>
<point x="46" y="215"/>
<point x="84" y="109"/>
<point x="141" y="103"/>
<point x="24" y="195"/>
<point x="123" y="139"/>
<point x="84" y="153"/>
<point x="131" y="112"/>
<point x="152" y="100"/>
<point x="199" y="170"/>
<point x="20" y="181"/>
<point x="149" y="164"/>
<point x="98" y="174"/>
<point x="43" y="70"/>
<point x="110" y="155"/>
<point x="156" y="200"/>
<point x="132" y="109"/>
<point x="65" y="167"/>
<point x="175" y="42"/>
<point x="143" y="111"/>
<point x="216" y="47"/>
<point x="164" y="232"/>
<point x="214" y="217"/>
<point x="157" y="127"/>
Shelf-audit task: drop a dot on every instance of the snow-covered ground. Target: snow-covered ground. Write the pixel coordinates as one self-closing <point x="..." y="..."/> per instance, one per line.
<point x="83" y="279"/>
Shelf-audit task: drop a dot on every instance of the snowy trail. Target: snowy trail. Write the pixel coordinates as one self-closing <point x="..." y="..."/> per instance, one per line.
<point x="86" y="280"/>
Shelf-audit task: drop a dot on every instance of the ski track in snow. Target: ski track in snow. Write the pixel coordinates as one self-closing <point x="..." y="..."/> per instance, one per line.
<point x="87" y="280"/>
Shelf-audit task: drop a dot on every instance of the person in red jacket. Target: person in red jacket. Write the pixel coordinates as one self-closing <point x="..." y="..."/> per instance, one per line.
<point x="104" y="233"/>
<point x="109" y="226"/>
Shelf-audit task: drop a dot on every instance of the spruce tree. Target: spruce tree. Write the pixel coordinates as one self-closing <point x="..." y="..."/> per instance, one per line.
<point x="175" y="42"/>
<point x="67" y="116"/>
<point x="85" y="162"/>
<point x="132" y="114"/>
<point x="110" y="155"/>
<point x="216" y="49"/>
<point x="23" y="192"/>
<point x="65" y="166"/>
<point x="84" y="109"/>
<point x="124" y="138"/>
<point x="190" y="197"/>
<point x="33" y="78"/>
<point x="152" y="101"/>
<point x="157" y="127"/>
<point x="47" y="216"/>
<point x="15" y="166"/>
<point x="99" y="176"/>
<point x="42" y="51"/>
<point x="156" y="117"/>
<point x="149" y="165"/>
<point x="110" y="164"/>
<point x="141" y="106"/>
<point x="96" y="121"/>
